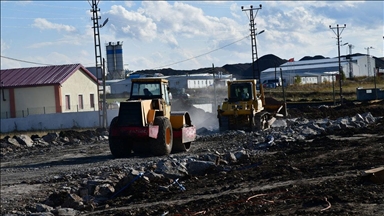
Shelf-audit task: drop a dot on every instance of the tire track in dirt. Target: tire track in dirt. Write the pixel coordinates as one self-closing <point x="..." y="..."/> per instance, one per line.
<point x="243" y="189"/>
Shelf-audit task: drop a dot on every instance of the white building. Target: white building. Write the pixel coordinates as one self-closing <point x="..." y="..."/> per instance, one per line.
<point x="197" y="81"/>
<point x="321" y="70"/>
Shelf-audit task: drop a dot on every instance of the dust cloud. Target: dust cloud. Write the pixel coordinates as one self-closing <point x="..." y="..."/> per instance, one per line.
<point x="199" y="117"/>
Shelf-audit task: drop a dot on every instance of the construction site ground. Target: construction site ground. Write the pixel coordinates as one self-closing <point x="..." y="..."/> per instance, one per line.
<point x="318" y="176"/>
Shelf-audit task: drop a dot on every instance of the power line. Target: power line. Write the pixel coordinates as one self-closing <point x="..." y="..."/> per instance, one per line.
<point x="19" y="60"/>
<point x="59" y="6"/>
<point x="202" y="54"/>
<point x="32" y="18"/>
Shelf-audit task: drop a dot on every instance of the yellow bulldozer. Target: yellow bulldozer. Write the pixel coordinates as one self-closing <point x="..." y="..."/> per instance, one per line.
<point x="146" y="125"/>
<point x="246" y="107"/>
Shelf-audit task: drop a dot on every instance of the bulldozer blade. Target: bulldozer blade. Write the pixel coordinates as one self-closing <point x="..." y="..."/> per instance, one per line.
<point x="270" y="121"/>
<point x="279" y="115"/>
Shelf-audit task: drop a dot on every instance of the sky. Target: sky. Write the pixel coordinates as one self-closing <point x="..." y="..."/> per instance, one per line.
<point x="185" y="35"/>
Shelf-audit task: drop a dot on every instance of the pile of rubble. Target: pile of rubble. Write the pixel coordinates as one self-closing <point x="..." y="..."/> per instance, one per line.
<point x="282" y="130"/>
<point x="93" y="188"/>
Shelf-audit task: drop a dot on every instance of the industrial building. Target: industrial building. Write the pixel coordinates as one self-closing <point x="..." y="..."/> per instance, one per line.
<point x="114" y="62"/>
<point x="322" y="70"/>
<point x="198" y="81"/>
<point x="48" y="89"/>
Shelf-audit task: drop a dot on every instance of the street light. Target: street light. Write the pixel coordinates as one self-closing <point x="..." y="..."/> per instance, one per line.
<point x="344" y="45"/>
<point x="105" y="22"/>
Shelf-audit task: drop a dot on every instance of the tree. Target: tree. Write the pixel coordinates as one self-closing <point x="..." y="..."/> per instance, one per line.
<point x="343" y="77"/>
<point x="297" y="79"/>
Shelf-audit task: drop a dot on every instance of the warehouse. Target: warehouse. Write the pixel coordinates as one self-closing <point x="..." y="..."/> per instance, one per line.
<point x="321" y="70"/>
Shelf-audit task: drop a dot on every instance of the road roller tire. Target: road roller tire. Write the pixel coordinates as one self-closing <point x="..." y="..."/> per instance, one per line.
<point x="118" y="148"/>
<point x="181" y="147"/>
<point x="164" y="142"/>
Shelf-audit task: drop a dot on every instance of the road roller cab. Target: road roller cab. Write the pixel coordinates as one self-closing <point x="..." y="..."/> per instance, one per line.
<point x="146" y="125"/>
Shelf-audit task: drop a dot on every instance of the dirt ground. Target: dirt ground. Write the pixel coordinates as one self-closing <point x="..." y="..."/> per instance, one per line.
<point x="318" y="176"/>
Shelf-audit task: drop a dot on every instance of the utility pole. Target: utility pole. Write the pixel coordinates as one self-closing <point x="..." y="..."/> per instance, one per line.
<point x="214" y="85"/>
<point x="104" y="116"/>
<point x="338" y="33"/>
<point x="252" y="24"/>
<point x="374" y="79"/>
<point x="368" y="60"/>
<point x="350" y="61"/>
<point x="284" y="98"/>
<point x="100" y="74"/>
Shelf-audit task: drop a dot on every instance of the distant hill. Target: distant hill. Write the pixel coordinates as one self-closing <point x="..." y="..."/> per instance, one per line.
<point x="236" y="69"/>
<point x="265" y="62"/>
<point x="170" y="71"/>
<point x="242" y="70"/>
<point x="312" y="58"/>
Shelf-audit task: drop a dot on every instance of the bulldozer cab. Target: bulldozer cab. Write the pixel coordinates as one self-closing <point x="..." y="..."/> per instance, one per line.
<point x="241" y="92"/>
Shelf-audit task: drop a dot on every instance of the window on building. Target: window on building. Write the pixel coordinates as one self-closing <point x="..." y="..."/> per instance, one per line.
<point x="67" y="102"/>
<point x="92" y="102"/>
<point x="81" y="104"/>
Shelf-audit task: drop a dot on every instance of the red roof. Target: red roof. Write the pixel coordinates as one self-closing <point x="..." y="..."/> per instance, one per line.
<point x="37" y="76"/>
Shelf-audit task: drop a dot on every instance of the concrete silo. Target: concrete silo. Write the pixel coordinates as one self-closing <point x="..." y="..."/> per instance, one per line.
<point x="115" y="64"/>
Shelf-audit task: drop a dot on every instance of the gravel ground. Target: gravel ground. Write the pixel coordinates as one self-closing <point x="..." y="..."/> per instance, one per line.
<point x="318" y="175"/>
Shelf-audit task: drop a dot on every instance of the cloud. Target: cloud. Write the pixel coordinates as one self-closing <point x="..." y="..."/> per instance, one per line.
<point x="186" y="22"/>
<point x="4" y="46"/>
<point x="40" y="45"/>
<point x="77" y="40"/>
<point x="84" y="53"/>
<point x="186" y="29"/>
<point x="129" y="4"/>
<point x="170" y="23"/>
<point x="58" y="58"/>
<point x="45" y="24"/>
<point x="235" y="10"/>
<point x="169" y="39"/>
<point x="131" y="24"/>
